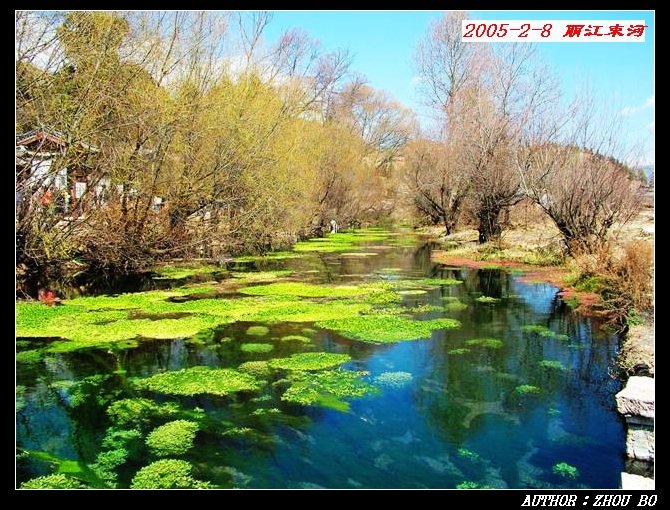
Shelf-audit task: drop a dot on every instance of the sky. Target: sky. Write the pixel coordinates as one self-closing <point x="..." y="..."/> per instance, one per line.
<point x="383" y="43"/>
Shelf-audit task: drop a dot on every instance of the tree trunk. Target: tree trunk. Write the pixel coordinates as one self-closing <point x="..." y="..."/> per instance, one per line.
<point x="489" y="224"/>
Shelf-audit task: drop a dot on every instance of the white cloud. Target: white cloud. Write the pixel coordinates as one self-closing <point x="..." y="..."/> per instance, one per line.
<point x="632" y="110"/>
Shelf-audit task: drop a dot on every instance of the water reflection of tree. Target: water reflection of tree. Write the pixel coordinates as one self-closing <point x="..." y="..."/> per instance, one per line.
<point x="470" y="381"/>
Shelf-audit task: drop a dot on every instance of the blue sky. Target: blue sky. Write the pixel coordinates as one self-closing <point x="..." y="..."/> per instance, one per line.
<point x="383" y="43"/>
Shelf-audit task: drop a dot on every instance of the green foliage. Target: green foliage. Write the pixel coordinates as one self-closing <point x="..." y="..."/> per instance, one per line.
<point x="487" y="299"/>
<point x="167" y="474"/>
<point x="458" y="352"/>
<point x="199" y="380"/>
<point x="173" y="438"/>
<point x="257" y="330"/>
<point x="57" y="481"/>
<point x="386" y="328"/>
<point x="139" y="411"/>
<point x="489" y="343"/>
<point x="565" y="470"/>
<point x="394" y="379"/>
<point x="326" y="388"/>
<point x="296" y="338"/>
<point x="310" y="361"/>
<point x="252" y="347"/>
<point x="116" y="439"/>
<point x="260" y="276"/>
<point x="107" y="461"/>
<point x="553" y="365"/>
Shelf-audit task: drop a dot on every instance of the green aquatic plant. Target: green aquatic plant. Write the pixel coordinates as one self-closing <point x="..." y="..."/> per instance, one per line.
<point x="258" y="348"/>
<point x="256" y="368"/>
<point x="167" y="474"/>
<point x="565" y="470"/>
<point x="139" y="410"/>
<point x="257" y="330"/>
<point x="553" y="411"/>
<point x="459" y="351"/>
<point x="543" y="331"/>
<point x="490" y="343"/>
<point x="260" y="276"/>
<point x="300" y="289"/>
<point x="416" y="310"/>
<point x="273" y="255"/>
<point x="20" y="397"/>
<point x="168" y="272"/>
<point x="468" y="485"/>
<point x="386" y="328"/>
<point x="464" y="453"/>
<point x="173" y="438"/>
<point x="437" y="281"/>
<point x="310" y="361"/>
<point x="309" y="331"/>
<point x="29" y="357"/>
<point x="394" y="379"/>
<point x="411" y="292"/>
<point x="487" y="299"/>
<point x="327" y="388"/>
<point x="455" y="306"/>
<point x="296" y="338"/>
<point x="199" y="380"/>
<point x="106" y="463"/>
<point x="553" y="365"/>
<point x="56" y="481"/>
<point x="127" y="439"/>
<point x="527" y="389"/>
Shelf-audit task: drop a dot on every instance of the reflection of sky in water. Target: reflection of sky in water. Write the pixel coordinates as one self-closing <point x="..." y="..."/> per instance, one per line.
<point x="458" y="419"/>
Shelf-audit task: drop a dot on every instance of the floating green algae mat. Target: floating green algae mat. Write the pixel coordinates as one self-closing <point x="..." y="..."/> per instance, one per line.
<point x="487" y="299"/>
<point x="296" y="338"/>
<point x="199" y="380"/>
<point x="340" y="242"/>
<point x="553" y="365"/>
<point x="543" y="331"/>
<point x="253" y="347"/>
<point x="179" y="272"/>
<point x="490" y="343"/>
<point x="527" y="389"/>
<point x="310" y="361"/>
<point x="260" y="276"/>
<point x="305" y="290"/>
<point x="386" y="328"/>
<point x="273" y="255"/>
<point x="167" y="474"/>
<point x="173" y="438"/>
<point x="455" y="306"/>
<point x="256" y="368"/>
<point x="258" y="330"/>
<point x="56" y="481"/>
<point x="437" y="281"/>
<point x="327" y="388"/>
<point x="394" y="379"/>
<point x="31" y="356"/>
<point x="138" y="411"/>
<point x="458" y="352"/>
<point x="565" y="470"/>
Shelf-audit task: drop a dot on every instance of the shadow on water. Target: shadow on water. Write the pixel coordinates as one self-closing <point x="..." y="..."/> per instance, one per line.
<point x="497" y="413"/>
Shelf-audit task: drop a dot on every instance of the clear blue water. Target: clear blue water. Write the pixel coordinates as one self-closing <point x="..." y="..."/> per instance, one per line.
<point x="458" y="420"/>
